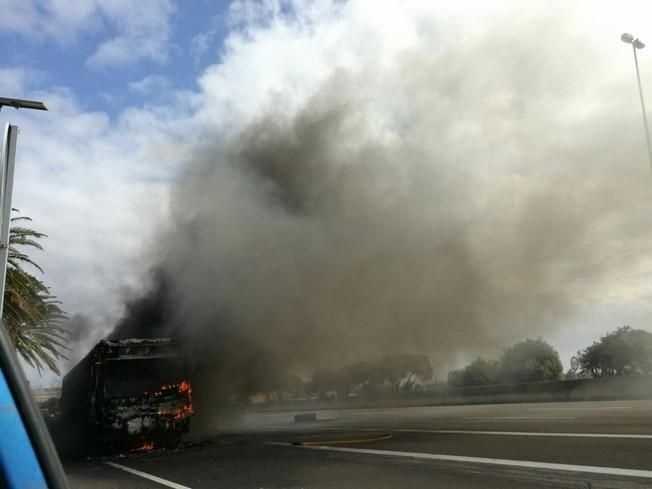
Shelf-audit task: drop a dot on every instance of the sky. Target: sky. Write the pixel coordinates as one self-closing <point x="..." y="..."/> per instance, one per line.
<point x="132" y="87"/>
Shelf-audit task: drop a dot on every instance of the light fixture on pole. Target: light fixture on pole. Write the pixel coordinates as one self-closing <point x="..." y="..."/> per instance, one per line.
<point x="636" y="43"/>
<point x="18" y="103"/>
<point x="7" y="160"/>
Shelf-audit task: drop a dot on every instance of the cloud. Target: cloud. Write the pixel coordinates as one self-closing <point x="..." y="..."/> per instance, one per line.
<point x="14" y="80"/>
<point x="202" y="42"/>
<point x="143" y="33"/>
<point x="52" y="19"/>
<point x="135" y="30"/>
<point x="150" y="84"/>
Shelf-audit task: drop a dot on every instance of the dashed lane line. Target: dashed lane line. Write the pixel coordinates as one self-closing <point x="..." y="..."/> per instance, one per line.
<point x="145" y="475"/>
<point x="343" y="442"/>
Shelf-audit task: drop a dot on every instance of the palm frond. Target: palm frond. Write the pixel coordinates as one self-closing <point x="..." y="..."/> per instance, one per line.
<point x="32" y="314"/>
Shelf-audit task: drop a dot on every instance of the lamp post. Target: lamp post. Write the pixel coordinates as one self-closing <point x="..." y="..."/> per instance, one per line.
<point x="627" y="38"/>
<point x="7" y="160"/>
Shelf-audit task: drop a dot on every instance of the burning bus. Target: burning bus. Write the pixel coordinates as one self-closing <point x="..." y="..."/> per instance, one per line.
<point x="126" y="394"/>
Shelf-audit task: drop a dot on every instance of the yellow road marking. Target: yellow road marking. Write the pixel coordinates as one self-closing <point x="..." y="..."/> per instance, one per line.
<point x="342" y="442"/>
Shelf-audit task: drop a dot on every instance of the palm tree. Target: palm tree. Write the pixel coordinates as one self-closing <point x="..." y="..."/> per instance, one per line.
<point x="32" y="315"/>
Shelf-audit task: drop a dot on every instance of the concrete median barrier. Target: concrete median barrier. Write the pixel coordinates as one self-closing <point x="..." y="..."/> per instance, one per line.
<point x="305" y="417"/>
<point x="598" y="389"/>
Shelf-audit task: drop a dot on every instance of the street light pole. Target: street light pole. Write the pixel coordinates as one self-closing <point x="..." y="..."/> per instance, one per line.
<point x="638" y="44"/>
<point x="7" y="160"/>
<point x="6" y="189"/>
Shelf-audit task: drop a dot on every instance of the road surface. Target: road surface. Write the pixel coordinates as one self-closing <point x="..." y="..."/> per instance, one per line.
<point x="582" y="445"/>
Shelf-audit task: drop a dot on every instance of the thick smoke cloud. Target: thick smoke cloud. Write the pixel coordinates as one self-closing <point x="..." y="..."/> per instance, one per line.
<point x="444" y="201"/>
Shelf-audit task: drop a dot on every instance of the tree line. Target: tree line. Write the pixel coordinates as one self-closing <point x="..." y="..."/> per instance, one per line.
<point x="531" y="360"/>
<point x="625" y="351"/>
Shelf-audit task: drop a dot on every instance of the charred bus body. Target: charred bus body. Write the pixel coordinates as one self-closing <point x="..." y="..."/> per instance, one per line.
<point x="126" y="394"/>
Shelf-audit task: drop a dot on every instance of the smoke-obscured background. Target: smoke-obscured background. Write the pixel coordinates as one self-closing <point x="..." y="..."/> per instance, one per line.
<point x="352" y="179"/>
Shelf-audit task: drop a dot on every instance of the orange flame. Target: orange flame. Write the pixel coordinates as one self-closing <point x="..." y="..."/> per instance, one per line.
<point x="187" y="410"/>
<point x="145" y="447"/>
<point x="183" y="388"/>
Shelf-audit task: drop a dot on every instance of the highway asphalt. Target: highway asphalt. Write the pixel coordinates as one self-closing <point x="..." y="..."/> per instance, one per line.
<point x="587" y="445"/>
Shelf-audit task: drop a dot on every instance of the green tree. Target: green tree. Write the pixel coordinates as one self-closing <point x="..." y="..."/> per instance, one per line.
<point x="625" y="351"/>
<point x="478" y="372"/>
<point x="531" y="360"/>
<point x="32" y="315"/>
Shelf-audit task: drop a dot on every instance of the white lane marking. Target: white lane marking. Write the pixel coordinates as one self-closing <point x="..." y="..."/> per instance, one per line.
<point x="525" y="433"/>
<point x="604" y="408"/>
<point x="518" y="417"/>
<point x="145" y="475"/>
<point x="591" y="469"/>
